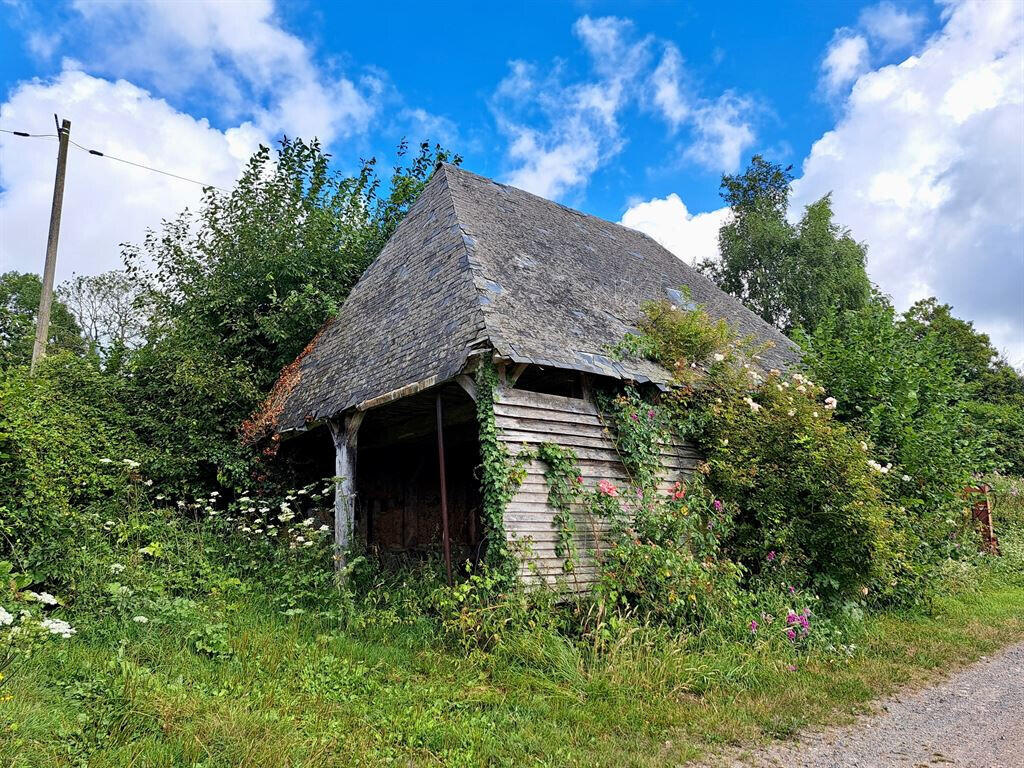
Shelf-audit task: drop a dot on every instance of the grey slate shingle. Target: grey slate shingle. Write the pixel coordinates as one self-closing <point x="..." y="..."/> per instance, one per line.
<point x="477" y="262"/>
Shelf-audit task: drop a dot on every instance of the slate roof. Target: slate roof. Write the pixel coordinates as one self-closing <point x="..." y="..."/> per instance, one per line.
<point x="477" y="264"/>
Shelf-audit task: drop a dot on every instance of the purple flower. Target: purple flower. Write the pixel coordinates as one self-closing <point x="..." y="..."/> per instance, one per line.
<point x="791" y="618"/>
<point x="791" y="634"/>
<point x="771" y="556"/>
<point x="791" y="667"/>
<point x="650" y="414"/>
<point x="753" y="626"/>
<point x="804" y="622"/>
<point x="718" y="505"/>
<point x="792" y="589"/>
<point x="634" y="417"/>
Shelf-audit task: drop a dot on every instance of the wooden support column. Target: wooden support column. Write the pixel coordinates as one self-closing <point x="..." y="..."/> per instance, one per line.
<point x="344" y="432"/>
<point x="445" y="540"/>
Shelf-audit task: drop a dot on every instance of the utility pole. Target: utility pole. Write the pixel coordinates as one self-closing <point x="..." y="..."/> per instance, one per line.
<point x="46" y="297"/>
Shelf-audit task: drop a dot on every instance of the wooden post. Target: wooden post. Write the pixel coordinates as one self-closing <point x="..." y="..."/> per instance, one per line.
<point x="344" y="434"/>
<point x="446" y="542"/>
<point x="46" y="296"/>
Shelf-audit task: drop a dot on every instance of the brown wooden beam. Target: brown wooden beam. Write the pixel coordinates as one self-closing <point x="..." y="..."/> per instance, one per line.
<point x="444" y="491"/>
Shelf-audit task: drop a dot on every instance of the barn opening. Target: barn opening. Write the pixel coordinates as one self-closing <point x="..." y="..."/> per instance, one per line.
<point x="398" y="508"/>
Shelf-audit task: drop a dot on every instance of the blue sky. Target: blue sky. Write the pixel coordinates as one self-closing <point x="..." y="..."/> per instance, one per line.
<point x="910" y="113"/>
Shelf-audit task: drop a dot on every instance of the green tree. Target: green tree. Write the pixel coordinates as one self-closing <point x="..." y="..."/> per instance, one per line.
<point x="995" y="401"/>
<point x="19" y="303"/>
<point x="792" y="276"/>
<point x="240" y="286"/>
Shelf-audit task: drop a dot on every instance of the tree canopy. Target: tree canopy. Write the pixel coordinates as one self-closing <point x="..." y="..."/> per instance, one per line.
<point x="791" y="275"/>
<point x="19" y="305"/>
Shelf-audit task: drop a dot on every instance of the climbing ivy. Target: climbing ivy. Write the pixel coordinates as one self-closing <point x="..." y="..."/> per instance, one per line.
<point x="641" y="430"/>
<point x="562" y="474"/>
<point x="500" y="475"/>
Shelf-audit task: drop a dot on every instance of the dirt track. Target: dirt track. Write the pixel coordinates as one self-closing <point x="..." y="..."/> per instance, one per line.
<point x="973" y="719"/>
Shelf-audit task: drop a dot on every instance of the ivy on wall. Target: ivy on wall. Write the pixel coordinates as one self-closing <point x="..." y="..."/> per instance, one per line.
<point x="500" y="475"/>
<point x="562" y="474"/>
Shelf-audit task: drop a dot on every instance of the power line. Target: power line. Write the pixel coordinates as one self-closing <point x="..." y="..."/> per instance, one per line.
<point x="98" y="153"/>
<point x="26" y="135"/>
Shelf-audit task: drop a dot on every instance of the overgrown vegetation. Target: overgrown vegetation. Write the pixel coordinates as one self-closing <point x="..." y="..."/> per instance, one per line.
<point x="166" y="597"/>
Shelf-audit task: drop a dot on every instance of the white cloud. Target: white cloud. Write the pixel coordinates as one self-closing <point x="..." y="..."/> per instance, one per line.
<point x="231" y="60"/>
<point x="927" y="166"/>
<point x="234" y="58"/>
<point x="105" y="202"/>
<point x="722" y="133"/>
<point x="582" y="118"/>
<point x="845" y="60"/>
<point x="721" y="129"/>
<point x="890" y="26"/>
<point x="691" y="237"/>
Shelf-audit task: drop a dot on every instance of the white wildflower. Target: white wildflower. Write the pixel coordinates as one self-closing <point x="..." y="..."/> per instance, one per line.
<point x="791" y="412"/>
<point x="830" y="403"/>
<point x="307" y="544"/>
<point x="863" y="445"/>
<point x="801" y="388"/>
<point x="214" y="494"/>
<point x="725" y="441"/>
<point x="106" y="461"/>
<point x="6" y="619"/>
<point x="131" y="464"/>
<point x="300" y="538"/>
<point x="116" y="568"/>
<point x="906" y="478"/>
<point x="775" y="372"/>
<point x="753" y="406"/>
<point x="308" y="522"/>
<point x="58" y="627"/>
<point x="140" y="619"/>
<point x="246" y="529"/>
<point x="778" y="387"/>
<point x="325" y="528"/>
<point x="160" y="497"/>
<point x="43" y="597"/>
<point x="719" y="357"/>
<point x="814" y="414"/>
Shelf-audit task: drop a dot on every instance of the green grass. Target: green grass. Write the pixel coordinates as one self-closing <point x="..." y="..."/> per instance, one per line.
<point x="297" y="693"/>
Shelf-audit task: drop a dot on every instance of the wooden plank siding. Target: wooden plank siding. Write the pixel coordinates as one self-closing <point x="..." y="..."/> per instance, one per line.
<point x="526" y="419"/>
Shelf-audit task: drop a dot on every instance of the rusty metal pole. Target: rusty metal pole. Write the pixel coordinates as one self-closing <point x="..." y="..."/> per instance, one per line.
<point x="444" y="494"/>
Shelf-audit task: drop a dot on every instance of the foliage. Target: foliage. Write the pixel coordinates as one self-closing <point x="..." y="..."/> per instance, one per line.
<point x="677" y="340"/>
<point x="562" y="474"/>
<point x="798" y="484"/>
<point x="808" y="495"/>
<point x="19" y="303"/>
<point x="896" y="383"/>
<point x="500" y="477"/>
<point x="60" y="430"/>
<point x="792" y="276"/>
<point x="240" y="286"/>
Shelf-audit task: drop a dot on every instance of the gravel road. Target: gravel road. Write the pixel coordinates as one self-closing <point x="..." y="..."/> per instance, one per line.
<point x="972" y="719"/>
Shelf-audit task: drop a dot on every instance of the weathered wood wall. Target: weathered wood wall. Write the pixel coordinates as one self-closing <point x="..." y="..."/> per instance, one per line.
<point x="527" y="418"/>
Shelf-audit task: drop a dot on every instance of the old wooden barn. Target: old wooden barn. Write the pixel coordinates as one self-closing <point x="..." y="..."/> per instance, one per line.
<point x="479" y="270"/>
